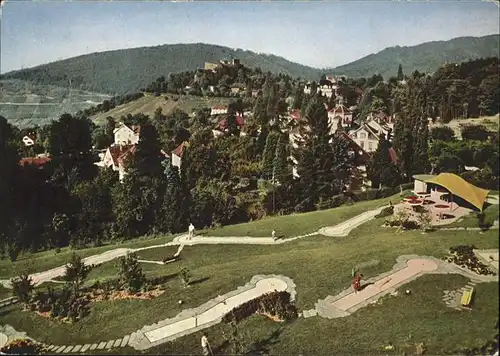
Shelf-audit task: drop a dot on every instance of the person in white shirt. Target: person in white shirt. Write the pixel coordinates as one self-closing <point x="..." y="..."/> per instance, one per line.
<point x="273" y="234"/>
<point x="205" y="345"/>
<point x="190" y="231"/>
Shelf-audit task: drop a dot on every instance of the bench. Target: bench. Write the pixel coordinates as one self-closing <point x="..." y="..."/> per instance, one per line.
<point x="467" y="297"/>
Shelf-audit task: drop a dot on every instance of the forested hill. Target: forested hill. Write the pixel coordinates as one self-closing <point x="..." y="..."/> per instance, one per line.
<point x="426" y="57"/>
<point x="128" y="70"/>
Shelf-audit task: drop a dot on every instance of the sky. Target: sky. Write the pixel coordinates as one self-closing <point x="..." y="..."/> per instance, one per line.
<point x="319" y="34"/>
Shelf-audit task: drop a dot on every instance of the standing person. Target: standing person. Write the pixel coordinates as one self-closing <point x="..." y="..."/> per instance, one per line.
<point x="190" y="231"/>
<point x="205" y="345"/>
<point x="273" y="234"/>
<point x="357" y="283"/>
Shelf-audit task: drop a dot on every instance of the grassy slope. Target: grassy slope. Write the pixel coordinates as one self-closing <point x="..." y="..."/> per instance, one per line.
<point x="148" y="104"/>
<point x="300" y="224"/>
<point x="491" y="214"/>
<point x="319" y="266"/>
<point x="291" y="225"/>
<point x="42" y="261"/>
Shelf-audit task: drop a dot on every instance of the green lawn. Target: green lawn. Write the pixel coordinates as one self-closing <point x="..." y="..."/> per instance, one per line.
<point x="5" y="292"/>
<point x="402" y="320"/>
<point x="42" y="261"/>
<point x="320" y="266"/>
<point x="491" y="214"/>
<point x="287" y="226"/>
<point x="299" y="224"/>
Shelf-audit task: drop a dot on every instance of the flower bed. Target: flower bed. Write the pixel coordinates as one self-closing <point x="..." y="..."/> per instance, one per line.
<point x="411" y="197"/>
<point x="463" y="256"/>
<point x="275" y="305"/>
<point x="22" y="347"/>
<point x="441" y="206"/>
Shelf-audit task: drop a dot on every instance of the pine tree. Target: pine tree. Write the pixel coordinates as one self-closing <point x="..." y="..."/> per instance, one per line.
<point x="269" y="154"/>
<point x="131" y="274"/>
<point x="282" y="169"/>
<point x="147" y="157"/>
<point x="381" y="169"/>
<point x="400" y="73"/>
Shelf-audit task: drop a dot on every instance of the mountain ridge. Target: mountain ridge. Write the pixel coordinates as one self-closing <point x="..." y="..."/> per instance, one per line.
<point x="124" y="71"/>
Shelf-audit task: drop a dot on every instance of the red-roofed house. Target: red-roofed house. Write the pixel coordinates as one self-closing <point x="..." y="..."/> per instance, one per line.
<point x="223" y="124"/>
<point x="339" y="114"/>
<point x="294" y="115"/>
<point x="178" y="153"/>
<point x="125" y="135"/>
<point x="36" y="161"/>
<point x="218" y="110"/>
<point x="116" y="157"/>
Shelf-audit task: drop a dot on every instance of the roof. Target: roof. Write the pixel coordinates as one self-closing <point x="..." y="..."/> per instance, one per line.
<point x="362" y="155"/>
<point x="37" y="161"/>
<point x="118" y="151"/>
<point x="223" y="123"/>
<point x="219" y="108"/>
<point x="461" y="188"/>
<point x="295" y="114"/>
<point x="135" y="128"/>
<point x="423" y="177"/>
<point x="179" y="151"/>
<point x="393" y="155"/>
<point x="126" y="155"/>
<point x="340" y="110"/>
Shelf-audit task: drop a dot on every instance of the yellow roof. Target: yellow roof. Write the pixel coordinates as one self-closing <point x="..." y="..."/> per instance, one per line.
<point x="460" y="187"/>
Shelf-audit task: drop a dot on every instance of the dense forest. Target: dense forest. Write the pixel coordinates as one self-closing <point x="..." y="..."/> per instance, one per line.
<point x="236" y="178"/>
<point x="126" y="71"/>
<point x="425" y="57"/>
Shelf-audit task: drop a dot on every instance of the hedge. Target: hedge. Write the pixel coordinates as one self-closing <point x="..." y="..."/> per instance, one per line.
<point x="276" y="304"/>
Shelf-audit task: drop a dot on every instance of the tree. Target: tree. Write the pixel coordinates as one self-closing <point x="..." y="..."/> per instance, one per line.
<point x="381" y="169"/>
<point x="442" y="133"/>
<point x="282" y="171"/>
<point x="22" y="287"/>
<point x="131" y="274"/>
<point x="76" y="272"/>
<point x="269" y="155"/>
<point x="185" y="277"/>
<point x="70" y="145"/>
<point x="400" y="75"/>
<point x="147" y="156"/>
<point x="475" y="132"/>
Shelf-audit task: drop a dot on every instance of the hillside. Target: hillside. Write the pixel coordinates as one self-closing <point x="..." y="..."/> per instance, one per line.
<point x="426" y="57"/>
<point x="128" y="70"/>
<point x="149" y="103"/>
<point x="25" y="104"/>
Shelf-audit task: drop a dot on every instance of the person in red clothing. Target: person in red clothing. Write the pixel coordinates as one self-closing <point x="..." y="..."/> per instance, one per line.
<point x="357" y="282"/>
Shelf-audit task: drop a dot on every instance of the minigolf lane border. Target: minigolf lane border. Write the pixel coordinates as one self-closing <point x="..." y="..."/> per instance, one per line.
<point x="208" y="314"/>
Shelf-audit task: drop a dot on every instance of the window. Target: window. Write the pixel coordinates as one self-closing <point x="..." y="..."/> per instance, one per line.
<point x="362" y="144"/>
<point x="362" y="135"/>
<point x="370" y="146"/>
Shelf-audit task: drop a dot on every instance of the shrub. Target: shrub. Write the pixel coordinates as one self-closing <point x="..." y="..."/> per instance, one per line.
<point x="464" y="256"/>
<point x="443" y="133"/>
<point x="274" y="304"/>
<point x="22" y="347"/>
<point x="387" y="211"/>
<point x="131" y="274"/>
<point x="185" y="276"/>
<point x="474" y="132"/>
<point x="22" y="287"/>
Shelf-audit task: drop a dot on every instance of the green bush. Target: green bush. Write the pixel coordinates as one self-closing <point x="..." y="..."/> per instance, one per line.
<point x="277" y="304"/>
<point x="387" y="211"/>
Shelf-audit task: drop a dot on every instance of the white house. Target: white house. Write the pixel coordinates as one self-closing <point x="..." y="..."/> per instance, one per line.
<point x="125" y="135"/>
<point x="116" y="157"/>
<point x="365" y="137"/>
<point x="339" y="114"/>
<point x="28" y="141"/>
<point x="178" y="153"/>
<point x="218" y="110"/>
